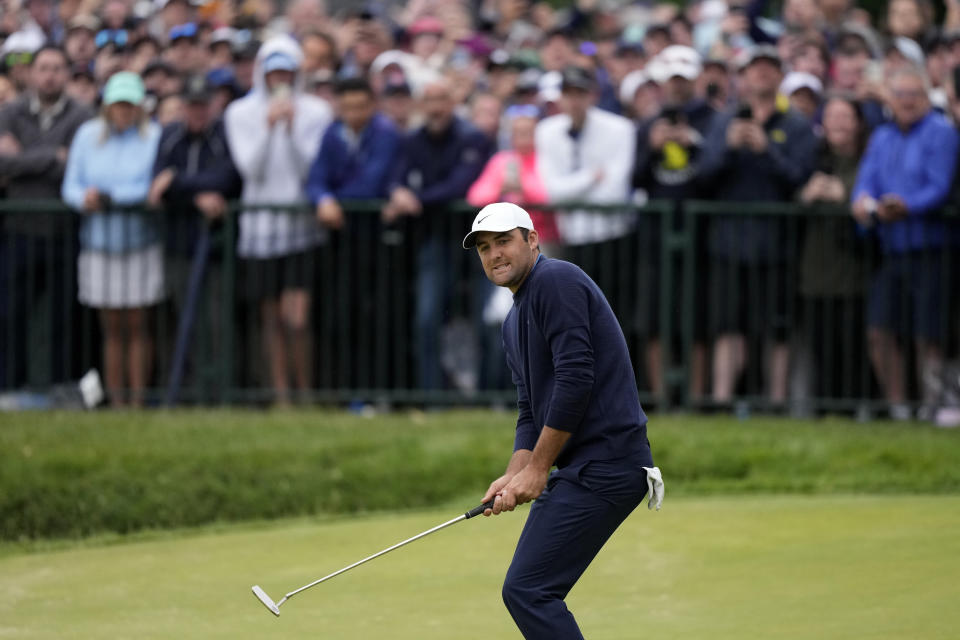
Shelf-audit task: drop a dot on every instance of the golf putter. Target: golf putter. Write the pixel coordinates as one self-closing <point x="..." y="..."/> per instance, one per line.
<point x="274" y="607"/>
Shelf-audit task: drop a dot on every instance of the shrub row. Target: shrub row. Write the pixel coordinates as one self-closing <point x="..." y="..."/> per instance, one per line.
<point x="72" y="475"/>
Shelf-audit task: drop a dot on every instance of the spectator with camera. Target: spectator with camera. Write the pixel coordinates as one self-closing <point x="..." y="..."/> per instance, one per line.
<point x="761" y="151"/>
<point x="905" y="178"/>
<point x="669" y="151"/>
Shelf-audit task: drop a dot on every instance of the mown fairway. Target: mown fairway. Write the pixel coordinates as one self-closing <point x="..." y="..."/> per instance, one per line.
<point x="741" y="567"/>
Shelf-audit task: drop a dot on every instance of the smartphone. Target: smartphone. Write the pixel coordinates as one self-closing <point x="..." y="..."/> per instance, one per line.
<point x="956" y="80"/>
<point x="745" y="112"/>
<point x="671" y="114"/>
<point x="873" y="72"/>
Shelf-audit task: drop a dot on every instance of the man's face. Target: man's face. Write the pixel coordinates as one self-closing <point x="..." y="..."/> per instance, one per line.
<point x="556" y="53"/>
<point x="908" y="99"/>
<point x="197" y="116"/>
<point x="356" y="109"/>
<point x="848" y="69"/>
<point x="576" y="102"/>
<point x="506" y="257"/>
<point x="279" y="78"/>
<point x="80" y="45"/>
<point x="678" y="90"/>
<point x="762" y="78"/>
<point x="486" y="114"/>
<point x="49" y="75"/>
<point x="438" y="107"/>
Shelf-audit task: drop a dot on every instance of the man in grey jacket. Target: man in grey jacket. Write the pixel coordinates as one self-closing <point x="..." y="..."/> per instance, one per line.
<point x="37" y="255"/>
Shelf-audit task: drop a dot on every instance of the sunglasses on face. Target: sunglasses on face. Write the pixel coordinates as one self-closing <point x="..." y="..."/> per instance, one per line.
<point x="117" y="37"/>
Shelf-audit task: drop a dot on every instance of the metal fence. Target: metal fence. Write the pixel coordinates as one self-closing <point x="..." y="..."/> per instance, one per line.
<point x="761" y="305"/>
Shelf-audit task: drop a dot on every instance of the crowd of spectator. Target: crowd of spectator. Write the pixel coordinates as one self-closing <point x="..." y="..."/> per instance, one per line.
<point x="189" y="104"/>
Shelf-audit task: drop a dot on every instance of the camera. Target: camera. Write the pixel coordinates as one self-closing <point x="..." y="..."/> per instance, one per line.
<point x="671" y="115"/>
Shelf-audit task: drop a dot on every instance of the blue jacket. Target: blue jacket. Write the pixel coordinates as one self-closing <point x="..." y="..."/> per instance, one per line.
<point x="361" y="171"/>
<point x="918" y="165"/>
<point x="440" y="169"/>
<point x="121" y="166"/>
<point x="741" y="175"/>
<point x="572" y="369"/>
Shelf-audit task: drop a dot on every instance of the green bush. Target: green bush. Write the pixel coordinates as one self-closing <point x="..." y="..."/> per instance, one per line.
<point x="72" y="475"/>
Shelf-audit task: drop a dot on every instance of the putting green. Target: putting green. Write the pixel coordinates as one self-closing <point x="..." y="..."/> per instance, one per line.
<point x="740" y="568"/>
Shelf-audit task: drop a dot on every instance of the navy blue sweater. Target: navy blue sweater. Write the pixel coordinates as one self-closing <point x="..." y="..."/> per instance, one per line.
<point x="572" y="369"/>
<point x="440" y="169"/>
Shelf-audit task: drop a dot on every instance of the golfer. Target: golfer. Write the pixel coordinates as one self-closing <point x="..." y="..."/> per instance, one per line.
<point x="579" y="410"/>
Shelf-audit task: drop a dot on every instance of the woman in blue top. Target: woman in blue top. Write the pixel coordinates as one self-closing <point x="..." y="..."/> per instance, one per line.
<point x="120" y="268"/>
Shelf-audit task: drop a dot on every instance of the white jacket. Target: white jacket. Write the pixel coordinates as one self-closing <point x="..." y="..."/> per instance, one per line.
<point x="274" y="162"/>
<point x="568" y="168"/>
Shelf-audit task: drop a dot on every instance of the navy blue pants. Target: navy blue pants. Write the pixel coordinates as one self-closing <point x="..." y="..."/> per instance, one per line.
<point x="568" y="524"/>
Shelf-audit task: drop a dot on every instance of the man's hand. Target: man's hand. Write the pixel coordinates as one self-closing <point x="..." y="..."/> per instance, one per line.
<point x="9" y="145"/>
<point x="211" y="204"/>
<point x="330" y="213"/>
<point x="159" y="186"/>
<point x="495" y="488"/>
<point x="281" y="110"/>
<point x="891" y="208"/>
<point x="524" y="487"/>
<point x="755" y="137"/>
<point x="862" y="208"/>
<point x="405" y="202"/>
<point x="660" y="133"/>
<point x="736" y="133"/>
<point x="91" y="200"/>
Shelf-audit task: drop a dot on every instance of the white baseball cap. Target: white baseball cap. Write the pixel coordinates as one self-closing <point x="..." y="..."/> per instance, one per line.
<point x="497" y="217"/>
<point x="796" y="80"/>
<point x="675" y="60"/>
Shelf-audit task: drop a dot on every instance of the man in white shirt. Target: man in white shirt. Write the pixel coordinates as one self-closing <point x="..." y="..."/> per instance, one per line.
<point x="585" y="154"/>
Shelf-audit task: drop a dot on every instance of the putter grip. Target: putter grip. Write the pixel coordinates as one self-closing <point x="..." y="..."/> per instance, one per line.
<point x="478" y="509"/>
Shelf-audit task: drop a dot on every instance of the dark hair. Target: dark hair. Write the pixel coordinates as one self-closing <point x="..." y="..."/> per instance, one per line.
<point x="50" y="47"/>
<point x="352" y="85"/>
<point x="525" y="234"/>
<point x="863" y="131"/>
<point x="329" y="40"/>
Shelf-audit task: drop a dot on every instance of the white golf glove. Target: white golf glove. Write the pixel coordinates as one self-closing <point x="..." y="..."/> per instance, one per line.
<point x="654" y="487"/>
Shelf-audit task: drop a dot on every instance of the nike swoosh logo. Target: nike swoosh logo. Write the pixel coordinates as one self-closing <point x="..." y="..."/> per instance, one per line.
<point x="484" y="218"/>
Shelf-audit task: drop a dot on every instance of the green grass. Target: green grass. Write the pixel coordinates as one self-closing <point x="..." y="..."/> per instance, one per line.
<point x="740" y="567"/>
<point x="70" y="475"/>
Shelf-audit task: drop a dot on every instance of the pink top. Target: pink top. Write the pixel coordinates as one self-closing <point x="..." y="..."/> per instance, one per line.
<point x="488" y="188"/>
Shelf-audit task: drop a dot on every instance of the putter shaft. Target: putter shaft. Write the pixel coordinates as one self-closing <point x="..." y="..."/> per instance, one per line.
<point x="275" y="607"/>
<point x="376" y="555"/>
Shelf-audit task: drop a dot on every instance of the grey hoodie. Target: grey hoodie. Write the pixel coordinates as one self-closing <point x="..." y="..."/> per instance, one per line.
<point x="274" y="162"/>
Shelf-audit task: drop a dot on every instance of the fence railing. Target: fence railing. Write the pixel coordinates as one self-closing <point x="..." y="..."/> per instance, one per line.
<point x="744" y="304"/>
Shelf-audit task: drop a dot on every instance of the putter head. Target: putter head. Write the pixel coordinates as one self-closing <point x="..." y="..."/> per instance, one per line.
<point x="265" y="599"/>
